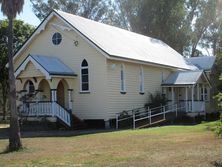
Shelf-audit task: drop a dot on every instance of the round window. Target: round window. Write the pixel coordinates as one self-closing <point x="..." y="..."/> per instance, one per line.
<point x="56" y="38"/>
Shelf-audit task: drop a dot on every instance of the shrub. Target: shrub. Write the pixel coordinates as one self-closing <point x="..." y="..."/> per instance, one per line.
<point x="218" y="129"/>
<point x="156" y="100"/>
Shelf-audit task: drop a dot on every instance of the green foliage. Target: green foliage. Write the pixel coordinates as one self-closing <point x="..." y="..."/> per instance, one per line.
<point x="156" y="100"/>
<point x="95" y="10"/>
<point x="21" y="32"/>
<point x="218" y="129"/>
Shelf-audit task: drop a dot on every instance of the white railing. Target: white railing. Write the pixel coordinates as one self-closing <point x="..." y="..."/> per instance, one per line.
<point x="52" y="109"/>
<point x="62" y="114"/>
<point x="196" y="106"/>
<point x="148" y="114"/>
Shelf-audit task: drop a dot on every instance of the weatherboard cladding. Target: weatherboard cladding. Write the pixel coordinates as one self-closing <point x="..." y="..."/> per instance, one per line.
<point x="53" y="65"/>
<point x="183" y="78"/>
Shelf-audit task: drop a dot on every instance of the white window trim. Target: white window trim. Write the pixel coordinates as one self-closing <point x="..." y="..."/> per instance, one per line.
<point x="122" y="82"/>
<point x="141" y="80"/>
<point x="84" y="91"/>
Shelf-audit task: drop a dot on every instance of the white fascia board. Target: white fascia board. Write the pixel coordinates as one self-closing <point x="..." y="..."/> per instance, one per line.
<point x="36" y="64"/>
<point x="146" y="63"/>
<point x="36" y="32"/>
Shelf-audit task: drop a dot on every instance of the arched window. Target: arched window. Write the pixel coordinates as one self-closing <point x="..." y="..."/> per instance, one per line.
<point x="122" y="78"/>
<point x="30" y="87"/>
<point x="141" y="80"/>
<point x="84" y="76"/>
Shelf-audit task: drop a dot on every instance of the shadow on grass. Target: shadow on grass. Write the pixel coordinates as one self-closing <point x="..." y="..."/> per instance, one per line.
<point x="7" y="151"/>
<point x="216" y="164"/>
<point x="4" y="133"/>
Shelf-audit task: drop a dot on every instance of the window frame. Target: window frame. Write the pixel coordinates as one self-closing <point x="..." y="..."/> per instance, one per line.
<point x="204" y="91"/>
<point x="122" y="79"/>
<point x="141" y="81"/>
<point x="56" y="41"/>
<point x="81" y="81"/>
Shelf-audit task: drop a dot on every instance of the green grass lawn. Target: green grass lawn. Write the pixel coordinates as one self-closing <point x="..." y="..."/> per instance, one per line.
<point x="165" y="146"/>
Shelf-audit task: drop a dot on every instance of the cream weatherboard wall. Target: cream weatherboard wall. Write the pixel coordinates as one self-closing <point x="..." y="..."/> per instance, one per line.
<point x="90" y="105"/>
<point x="118" y="102"/>
<point x="104" y="98"/>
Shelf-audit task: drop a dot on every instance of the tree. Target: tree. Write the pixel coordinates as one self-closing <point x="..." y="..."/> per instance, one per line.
<point x="93" y="9"/>
<point x="182" y="24"/>
<point x="159" y="19"/>
<point x="23" y="31"/>
<point x="11" y="8"/>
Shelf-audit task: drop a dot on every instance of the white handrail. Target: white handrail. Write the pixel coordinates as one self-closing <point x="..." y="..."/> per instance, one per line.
<point x="46" y="109"/>
<point x="147" y="113"/>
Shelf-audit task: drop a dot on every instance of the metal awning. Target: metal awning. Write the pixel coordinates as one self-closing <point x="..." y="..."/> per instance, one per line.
<point x="184" y="78"/>
<point x="49" y="66"/>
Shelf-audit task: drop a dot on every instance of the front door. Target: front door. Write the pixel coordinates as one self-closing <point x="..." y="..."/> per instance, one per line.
<point x="61" y="94"/>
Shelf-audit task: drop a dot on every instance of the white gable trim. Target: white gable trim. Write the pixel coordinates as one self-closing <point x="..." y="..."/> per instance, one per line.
<point x="36" y="64"/>
<point x="206" y="78"/>
<point x="36" y="32"/>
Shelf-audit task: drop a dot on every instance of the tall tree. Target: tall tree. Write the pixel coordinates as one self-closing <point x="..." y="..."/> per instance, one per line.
<point x="21" y="32"/>
<point x="11" y="8"/>
<point x="183" y="24"/>
<point x="157" y="18"/>
<point x="92" y="9"/>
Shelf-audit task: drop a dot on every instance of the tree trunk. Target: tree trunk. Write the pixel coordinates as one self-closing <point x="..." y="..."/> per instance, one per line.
<point x="14" y="137"/>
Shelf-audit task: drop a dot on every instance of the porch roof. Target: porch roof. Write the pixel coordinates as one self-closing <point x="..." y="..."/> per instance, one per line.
<point x="53" y="65"/>
<point x="49" y="66"/>
<point x="183" y="78"/>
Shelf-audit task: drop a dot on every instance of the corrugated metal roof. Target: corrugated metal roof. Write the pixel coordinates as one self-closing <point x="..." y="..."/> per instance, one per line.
<point x="125" y="44"/>
<point x="203" y="63"/>
<point x="183" y="78"/>
<point x="53" y="65"/>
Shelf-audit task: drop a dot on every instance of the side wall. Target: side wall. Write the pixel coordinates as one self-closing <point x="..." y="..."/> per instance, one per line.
<point x="86" y="106"/>
<point x="118" y="102"/>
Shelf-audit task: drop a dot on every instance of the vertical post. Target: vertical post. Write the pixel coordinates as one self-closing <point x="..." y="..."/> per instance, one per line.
<point x="70" y="98"/>
<point x="134" y="123"/>
<point x="186" y="100"/>
<point x="53" y="100"/>
<point x="150" y="116"/>
<point x="164" y="112"/>
<point x="192" y="92"/>
<point x="172" y="91"/>
<point x="176" y="109"/>
<point x="204" y="92"/>
<point x="198" y="92"/>
<point x="117" y="123"/>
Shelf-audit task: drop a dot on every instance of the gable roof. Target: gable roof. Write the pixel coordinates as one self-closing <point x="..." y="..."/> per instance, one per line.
<point x="49" y="66"/>
<point x="203" y="63"/>
<point x="117" y="43"/>
<point x="184" y="78"/>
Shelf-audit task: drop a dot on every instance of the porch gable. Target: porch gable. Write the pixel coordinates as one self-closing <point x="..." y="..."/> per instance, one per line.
<point x="47" y="66"/>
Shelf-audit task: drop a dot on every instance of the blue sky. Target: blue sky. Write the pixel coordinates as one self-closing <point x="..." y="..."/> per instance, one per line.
<point x="27" y="15"/>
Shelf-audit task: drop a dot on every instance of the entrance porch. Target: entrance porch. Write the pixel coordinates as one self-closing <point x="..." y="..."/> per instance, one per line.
<point x="45" y="89"/>
<point x="190" y="89"/>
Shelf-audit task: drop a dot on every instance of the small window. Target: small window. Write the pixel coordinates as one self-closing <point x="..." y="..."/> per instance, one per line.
<point x="122" y="78"/>
<point x="204" y="94"/>
<point x="84" y="76"/>
<point x="141" y="81"/>
<point x="56" y="38"/>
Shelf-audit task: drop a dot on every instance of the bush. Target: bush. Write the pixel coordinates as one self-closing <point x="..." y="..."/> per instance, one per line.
<point x="218" y="129"/>
<point x="156" y="100"/>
